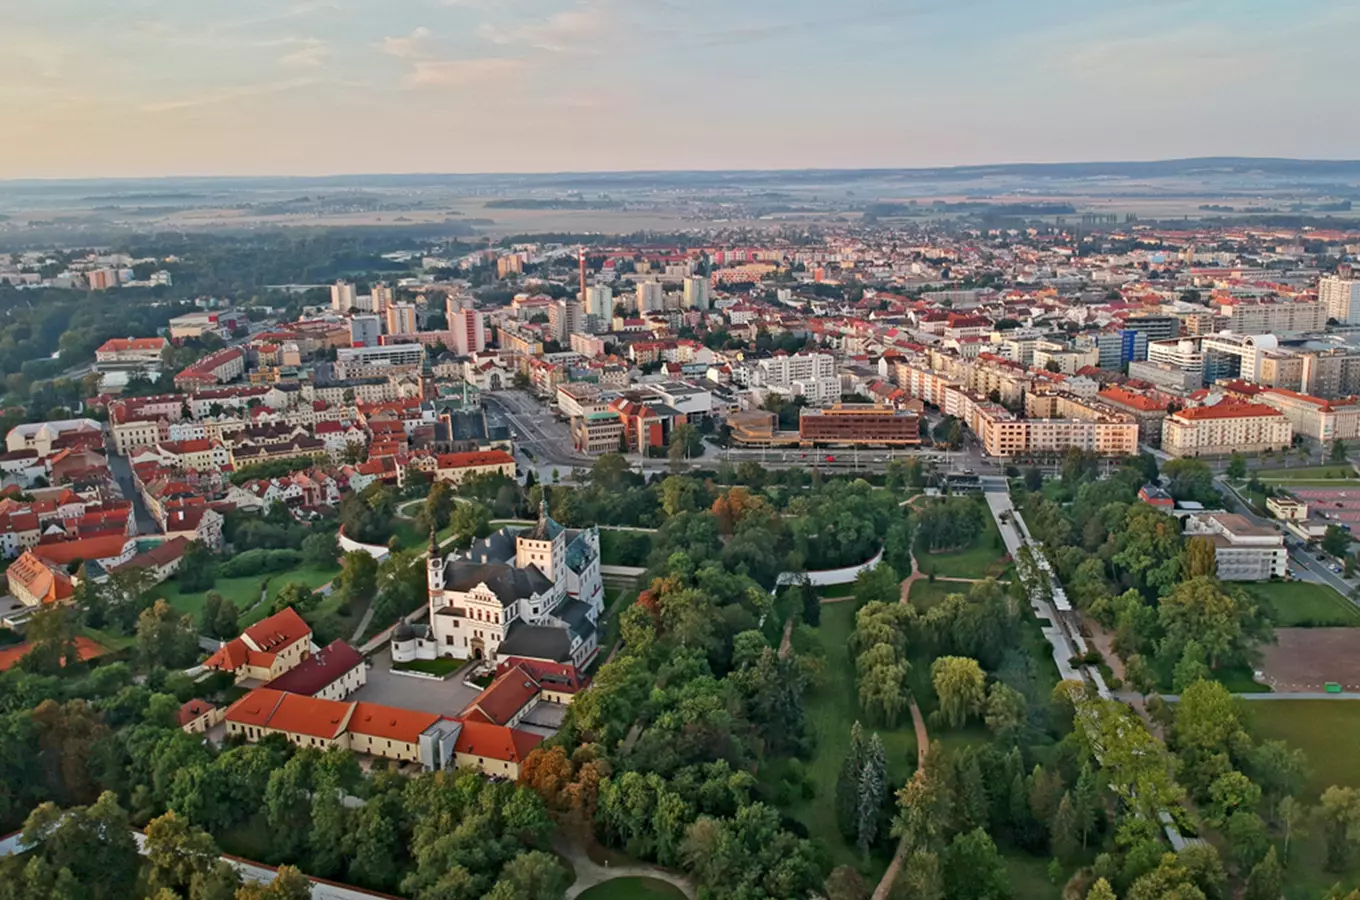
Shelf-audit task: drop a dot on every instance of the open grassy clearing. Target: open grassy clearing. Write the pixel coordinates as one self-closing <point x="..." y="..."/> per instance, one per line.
<point x="1308" y="472"/>
<point x="1303" y="604"/>
<point x="984" y="557"/>
<point x="633" y="889"/>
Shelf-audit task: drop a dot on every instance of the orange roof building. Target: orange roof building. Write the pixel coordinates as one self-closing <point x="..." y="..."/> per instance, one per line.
<point x="1224" y="428"/>
<point x="267" y="649"/>
<point x="455" y="467"/>
<point x="35" y="582"/>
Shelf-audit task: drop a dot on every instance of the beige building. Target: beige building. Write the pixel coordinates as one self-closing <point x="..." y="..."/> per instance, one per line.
<point x="454" y="468"/>
<point x="1225" y="428"/>
<point x="1331" y="373"/>
<point x="1321" y="420"/>
<point x="597" y="432"/>
<point x="1242" y="551"/>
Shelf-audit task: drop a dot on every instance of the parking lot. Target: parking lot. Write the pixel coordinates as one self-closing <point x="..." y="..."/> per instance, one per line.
<point x="447" y="697"/>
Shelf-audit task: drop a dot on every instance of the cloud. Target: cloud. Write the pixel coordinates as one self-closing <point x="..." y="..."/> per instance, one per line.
<point x="302" y="53"/>
<point x="228" y="94"/>
<point x="413" y="46"/>
<point x="458" y="72"/>
<point x="570" y="30"/>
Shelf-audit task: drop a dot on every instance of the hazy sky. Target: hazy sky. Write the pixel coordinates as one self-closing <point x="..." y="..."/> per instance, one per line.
<point x="179" y="87"/>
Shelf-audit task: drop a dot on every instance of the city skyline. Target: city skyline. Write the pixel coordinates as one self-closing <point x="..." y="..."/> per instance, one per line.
<point x="341" y="87"/>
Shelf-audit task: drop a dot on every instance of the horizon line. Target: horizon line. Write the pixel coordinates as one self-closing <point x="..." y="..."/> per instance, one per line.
<point x="39" y="180"/>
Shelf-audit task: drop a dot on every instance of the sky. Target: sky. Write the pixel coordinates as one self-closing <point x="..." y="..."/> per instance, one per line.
<point x="98" y="88"/>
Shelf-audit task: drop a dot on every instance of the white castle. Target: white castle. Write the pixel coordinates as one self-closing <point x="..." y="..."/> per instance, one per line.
<point x="533" y="593"/>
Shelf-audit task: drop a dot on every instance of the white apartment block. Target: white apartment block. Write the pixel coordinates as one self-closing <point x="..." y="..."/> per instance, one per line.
<point x="810" y="375"/>
<point x="342" y="297"/>
<point x="1273" y="317"/>
<point x="1224" y="428"/>
<point x="1242" y="551"/>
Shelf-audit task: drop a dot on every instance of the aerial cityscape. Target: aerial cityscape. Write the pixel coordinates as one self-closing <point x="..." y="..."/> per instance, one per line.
<point x="705" y="509"/>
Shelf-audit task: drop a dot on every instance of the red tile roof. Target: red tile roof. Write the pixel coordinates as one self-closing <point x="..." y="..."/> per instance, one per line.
<point x="503" y="698"/>
<point x="475" y="458"/>
<point x="193" y="710"/>
<point x="495" y="742"/>
<point x="320" y="670"/>
<point x="311" y="716"/>
<point x="86" y="649"/>
<point x="1229" y="410"/>
<point x="279" y="630"/>
<point x="390" y="723"/>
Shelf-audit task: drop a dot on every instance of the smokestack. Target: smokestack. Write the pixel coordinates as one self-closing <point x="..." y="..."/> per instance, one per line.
<point x="581" y="254"/>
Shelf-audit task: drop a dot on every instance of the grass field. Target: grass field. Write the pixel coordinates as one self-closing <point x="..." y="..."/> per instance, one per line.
<point x="1302" y="604"/>
<point x="1326" y="730"/>
<point x="981" y="559"/>
<point x="438" y="667"/>
<point x="244" y="591"/>
<point x="633" y="889"/>
<point x="831" y="711"/>
<point x="1327" y="473"/>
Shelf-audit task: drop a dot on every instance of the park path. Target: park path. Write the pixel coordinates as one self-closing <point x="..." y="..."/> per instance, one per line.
<point x="885" y="884"/>
<point x="590" y="873"/>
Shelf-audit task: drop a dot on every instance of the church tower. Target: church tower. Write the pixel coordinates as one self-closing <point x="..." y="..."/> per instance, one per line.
<point x="434" y="567"/>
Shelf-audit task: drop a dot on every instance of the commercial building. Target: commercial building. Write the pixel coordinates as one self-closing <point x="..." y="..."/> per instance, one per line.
<point x="1167" y="377"/>
<point x="365" y="331"/>
<point x="1157" y="328"/>
<point x="1341" y="297"/>
<point x="394" y="355"/>
<point x="1314" y="417"/>
<point x="1225" y="428"/>
<point x="597" y="432"/>
<point x="401" y="318"/>
<point x="849" y="424"/>
<point x="1242" y="551"/>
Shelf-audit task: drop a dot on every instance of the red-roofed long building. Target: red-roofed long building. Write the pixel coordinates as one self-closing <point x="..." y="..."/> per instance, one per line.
<point x="267" y="649"/>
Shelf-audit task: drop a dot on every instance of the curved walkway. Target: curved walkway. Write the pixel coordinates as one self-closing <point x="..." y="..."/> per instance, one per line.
<point x="590" y="873"/>
<point x="885" y="884"/>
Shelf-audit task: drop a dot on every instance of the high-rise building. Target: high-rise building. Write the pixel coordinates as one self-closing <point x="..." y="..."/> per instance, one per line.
<point x="469" y="331"/>
<point x="383" y="297"/>
<point x="696" y="292"/>
<point x="365" y="331"/>
<point x="401" y="318"/>
<point x="342" y="297"/>
<point x="651" y="296"/>
<point x="564" y="319"/>
<point x="1341" y="297"/>
<point x="600" y="304"/>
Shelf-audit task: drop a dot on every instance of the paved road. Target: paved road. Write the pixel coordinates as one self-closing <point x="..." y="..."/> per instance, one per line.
<point x="122" y="472"/>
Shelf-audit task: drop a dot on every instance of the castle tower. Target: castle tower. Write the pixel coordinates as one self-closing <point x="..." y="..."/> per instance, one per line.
<point x="434" y="566"/>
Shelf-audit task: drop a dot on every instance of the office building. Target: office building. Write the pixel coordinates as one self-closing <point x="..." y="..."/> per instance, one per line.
<point x="365" y="331"/>
<point x="1226" y="428"/>
<point x="1272" y="316"/>
<point x="1242" y="551"/>
<point x="469" y="331"/>
<point x="1157" y="328"/>
<point x="401" y="318"/>
<point x="343" y="299"/>
<point x="651" y="296"/>
<point x="1341" y="297"/>
<point x="859" y="424"/>
<point x="391" y="355"/>
<point x="696" y="292"/>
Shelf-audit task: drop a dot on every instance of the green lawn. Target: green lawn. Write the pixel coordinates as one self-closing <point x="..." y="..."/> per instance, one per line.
<point x="244" y="591"/>
<point x="633" y="889"/>
<point x="440" y="667"/>
<point x="832" y="710"/>
<point x="981" y="559"/>
<point x="925" y="594"/>
<point x="1028" y="877"/>
<point x="1307" y="472"/>
<point x="1302" y="604"/>
<point x="1326" y="730"/>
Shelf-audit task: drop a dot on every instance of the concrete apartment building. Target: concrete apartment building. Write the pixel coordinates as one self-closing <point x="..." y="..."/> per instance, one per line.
<point x="1331" y="373"/>
<point x="401" y="318"/>
<point x="651" y="296"/>
<point x="1271" y="316"/>
<point x="1341" y="297"/>
<point x="1243" y="551"/>
<point x="469" y="331"/>
<point x="1314" y="417"/>
<point x="697" y="293"/>
<point x="810" y="375"/>
<point x="1225" y="428"/>
<point x="343" y="298"/>
<point x="1148" y="413"/>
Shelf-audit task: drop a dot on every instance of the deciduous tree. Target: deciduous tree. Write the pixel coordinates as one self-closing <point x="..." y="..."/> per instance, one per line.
<point x="960" y="686"/>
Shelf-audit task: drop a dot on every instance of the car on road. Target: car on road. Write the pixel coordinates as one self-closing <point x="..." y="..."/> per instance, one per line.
<point x="1321" y="557"/>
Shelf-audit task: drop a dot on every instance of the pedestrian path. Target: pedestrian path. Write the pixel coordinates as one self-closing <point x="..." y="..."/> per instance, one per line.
<point x="590" y="873"/>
